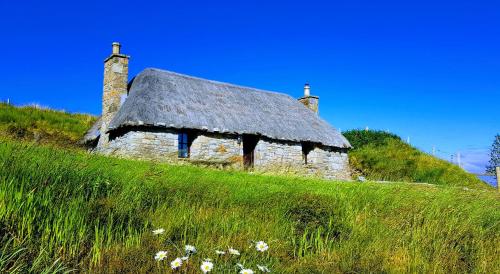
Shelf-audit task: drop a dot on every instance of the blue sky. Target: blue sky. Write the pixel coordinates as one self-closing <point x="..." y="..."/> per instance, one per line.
<point x="428" y="70"/>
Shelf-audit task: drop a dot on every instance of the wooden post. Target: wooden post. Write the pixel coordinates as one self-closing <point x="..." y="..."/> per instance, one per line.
<point x="498" y="177"/>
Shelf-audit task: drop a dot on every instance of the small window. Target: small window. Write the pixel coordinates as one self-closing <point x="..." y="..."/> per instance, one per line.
<point x="183" y="145"/>
<point x="306" y="148"/>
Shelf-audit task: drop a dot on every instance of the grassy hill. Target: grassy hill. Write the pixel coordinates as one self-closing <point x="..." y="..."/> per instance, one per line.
<point x="97" y="213"/>
<point x="379" y="155"/>
<point x="63" y="209"/>
<point x="43" y="126"/>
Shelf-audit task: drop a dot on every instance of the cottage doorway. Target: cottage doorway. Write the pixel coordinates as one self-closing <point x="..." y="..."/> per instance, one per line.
<point x="249" y="144"/>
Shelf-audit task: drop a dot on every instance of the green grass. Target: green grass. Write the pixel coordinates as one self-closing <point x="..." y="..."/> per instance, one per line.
<point x="63" y="209"/>
<point x="43" y="125"/>
<point x="95" y="214"/>
<point x="379" y="155"/>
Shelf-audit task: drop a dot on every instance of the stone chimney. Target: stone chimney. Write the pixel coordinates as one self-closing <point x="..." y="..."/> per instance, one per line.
<point x="114" y="88"/>
<point x="311" y="102"/>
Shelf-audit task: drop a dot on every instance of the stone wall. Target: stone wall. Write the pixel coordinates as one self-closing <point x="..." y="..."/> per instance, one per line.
<point x="216" y="148"/>
<point x="145" y="145"/>
<point x="162" y="145"/>
<point x="270" y="155"/>
<point x="288" y="156"/>
<point x="329" y="163"/>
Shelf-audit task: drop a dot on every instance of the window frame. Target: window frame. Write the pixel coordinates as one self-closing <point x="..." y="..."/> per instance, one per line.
<point x="183" y="145"/>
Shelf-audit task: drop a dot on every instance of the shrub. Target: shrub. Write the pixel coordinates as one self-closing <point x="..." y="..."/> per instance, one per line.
<point x="377" y="138"/>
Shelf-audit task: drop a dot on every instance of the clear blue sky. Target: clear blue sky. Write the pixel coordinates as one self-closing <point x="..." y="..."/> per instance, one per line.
<point x="429" y="70"/>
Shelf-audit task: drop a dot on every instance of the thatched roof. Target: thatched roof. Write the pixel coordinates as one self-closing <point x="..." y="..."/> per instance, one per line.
<point x="94" y="132"/>
<point x="160" y="98"/>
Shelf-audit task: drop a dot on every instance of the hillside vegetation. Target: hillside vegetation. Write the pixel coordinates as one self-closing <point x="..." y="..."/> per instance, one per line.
<point x="43" y="125"/>
<point x="96" y="213"/>
<point x="64" y="209"/>
<point x="379" y="155"/>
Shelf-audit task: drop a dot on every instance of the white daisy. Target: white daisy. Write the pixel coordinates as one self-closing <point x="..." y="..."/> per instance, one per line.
<point x="261" y="246"/>
<point x="219" y="252"/>
<point x="158" y="231"/>
<point x="233" y="251"/>
<point x="176" y="263"/>
<point x="263" y="268"/>
<point x="190" y="249"/>
<point x="161" y="255"/>
<point x="246" y="271"/>
<point x="206" y="266"/>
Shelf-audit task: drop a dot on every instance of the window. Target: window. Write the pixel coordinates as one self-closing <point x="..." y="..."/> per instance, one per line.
<point x="183" y="145"/>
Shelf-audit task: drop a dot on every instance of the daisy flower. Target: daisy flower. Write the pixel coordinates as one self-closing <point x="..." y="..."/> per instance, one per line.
<point x="161" y="255"/>
<point x="190" y="249"/>
<point x="158" y="231"/>
<point x="219" y="252"/>
<point x="233" y="251"/>
<point x="261" y="246"/>
<point x="246" y="271"/>
<point x="176" y="263"/>
<point x="263" y="268"/>
<point x="206" y="266"/>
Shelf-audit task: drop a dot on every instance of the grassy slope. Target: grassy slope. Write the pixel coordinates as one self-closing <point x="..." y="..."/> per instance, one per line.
<point x="96" y="213"/>
<point x="92" y="210"/>
<point x="43" y="125"/>
<point x="383" y="156"/>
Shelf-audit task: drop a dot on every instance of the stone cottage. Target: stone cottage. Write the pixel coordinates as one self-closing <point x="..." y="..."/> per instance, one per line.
<point x="165" y="116"/>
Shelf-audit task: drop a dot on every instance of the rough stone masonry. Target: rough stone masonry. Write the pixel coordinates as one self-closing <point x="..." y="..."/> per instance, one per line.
<point x="114" y="88"/>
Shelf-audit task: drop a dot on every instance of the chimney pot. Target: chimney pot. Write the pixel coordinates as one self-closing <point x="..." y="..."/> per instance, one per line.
<point x="116" y="48"/>
<point x="307" y="90"/>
